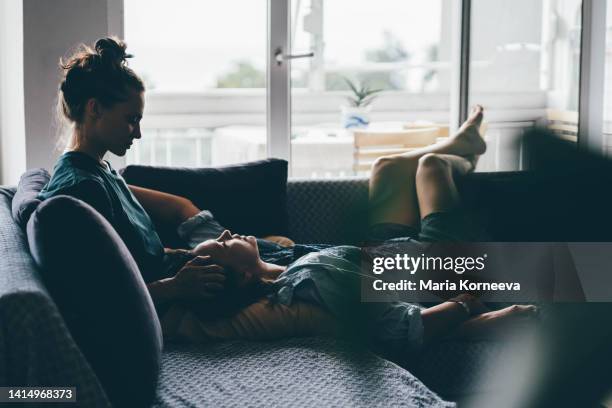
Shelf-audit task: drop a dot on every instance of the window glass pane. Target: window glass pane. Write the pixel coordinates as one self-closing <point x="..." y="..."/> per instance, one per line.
<point x="204" y="65"/>
<point x="525" y="70"/>
<point x="399" y="48"/>
<point x="608" y="87"/>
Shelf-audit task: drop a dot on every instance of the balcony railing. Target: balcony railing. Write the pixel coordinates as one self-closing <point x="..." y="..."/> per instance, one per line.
<point x="200" y="129"/>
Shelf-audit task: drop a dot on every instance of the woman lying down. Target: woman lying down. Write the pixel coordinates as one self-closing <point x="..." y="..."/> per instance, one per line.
<point x="234" y="286"/>
<point x="240" y="296"/>
<point x="319" y="293"/>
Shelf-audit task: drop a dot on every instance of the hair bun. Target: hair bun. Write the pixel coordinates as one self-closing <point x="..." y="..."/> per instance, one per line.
<point x="111" y="50"/>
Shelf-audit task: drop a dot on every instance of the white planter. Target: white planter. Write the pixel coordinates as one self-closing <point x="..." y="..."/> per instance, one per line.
<point x="355" y="117"/>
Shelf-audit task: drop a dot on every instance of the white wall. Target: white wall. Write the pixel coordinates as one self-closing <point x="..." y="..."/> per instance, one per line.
<point x="12" y="123"/>
<point x="51" y="28"/>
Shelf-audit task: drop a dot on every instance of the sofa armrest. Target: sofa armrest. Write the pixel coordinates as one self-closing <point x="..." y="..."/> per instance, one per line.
<point x="36" y="348"/>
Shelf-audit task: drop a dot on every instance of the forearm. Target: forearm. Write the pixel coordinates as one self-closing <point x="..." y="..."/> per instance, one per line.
<point x="163" y="291"/>
<point x="164" y="208"/>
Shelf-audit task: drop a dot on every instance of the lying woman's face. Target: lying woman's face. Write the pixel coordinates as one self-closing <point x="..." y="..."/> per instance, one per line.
<point x="235" y="251"/>
<point x="239" y="256"/>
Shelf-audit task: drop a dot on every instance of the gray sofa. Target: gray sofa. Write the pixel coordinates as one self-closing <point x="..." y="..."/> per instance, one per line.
<point x="36" y="347"/>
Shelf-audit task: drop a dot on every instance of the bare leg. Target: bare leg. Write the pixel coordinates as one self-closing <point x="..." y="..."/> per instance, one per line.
<point x="393" y="194"/>
<point x="435" y="183"/>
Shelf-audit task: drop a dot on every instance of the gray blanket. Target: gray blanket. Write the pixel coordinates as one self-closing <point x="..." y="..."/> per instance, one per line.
<point x="306" y="372"/>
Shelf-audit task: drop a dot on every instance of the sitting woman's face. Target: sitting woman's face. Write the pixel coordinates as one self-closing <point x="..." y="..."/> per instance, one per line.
<point x="117" y="126"/>
<point x="235" y="251"/>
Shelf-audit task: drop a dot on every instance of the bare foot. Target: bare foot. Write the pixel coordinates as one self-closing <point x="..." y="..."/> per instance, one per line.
<point x="495" y="323"/>
<point x="468" y="141"/>
<point x="473" y="161"/>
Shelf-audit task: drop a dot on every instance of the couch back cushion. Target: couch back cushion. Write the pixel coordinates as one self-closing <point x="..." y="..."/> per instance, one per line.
<point x="328" y="211"/>
<point x="26" y="199"/>
<point x="249" y="198"/>
<point x="100" y="292"/>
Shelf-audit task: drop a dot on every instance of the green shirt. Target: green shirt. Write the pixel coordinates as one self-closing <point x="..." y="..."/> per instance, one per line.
<point x="81" y="176"/>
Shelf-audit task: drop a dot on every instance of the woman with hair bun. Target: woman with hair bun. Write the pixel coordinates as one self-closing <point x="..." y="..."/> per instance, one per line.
<point x="97" y="85"/>
<point x="103" y="99"/>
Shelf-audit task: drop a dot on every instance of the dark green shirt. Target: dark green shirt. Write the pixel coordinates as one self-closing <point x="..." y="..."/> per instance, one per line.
<point x="81" y="176"/>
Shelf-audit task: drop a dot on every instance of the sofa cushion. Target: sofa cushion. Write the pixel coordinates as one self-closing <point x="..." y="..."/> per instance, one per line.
<point x="330" y="211"/>
<point x="100" y="292"/>
<point x="248" y="198"/>
<point x="26" y="199"/>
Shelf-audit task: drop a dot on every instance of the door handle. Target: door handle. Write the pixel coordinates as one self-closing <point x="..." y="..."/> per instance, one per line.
<point x="279" y="57"/>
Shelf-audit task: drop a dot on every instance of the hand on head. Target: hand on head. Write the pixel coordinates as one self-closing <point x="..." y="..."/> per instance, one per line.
<point x="199" y="279"/>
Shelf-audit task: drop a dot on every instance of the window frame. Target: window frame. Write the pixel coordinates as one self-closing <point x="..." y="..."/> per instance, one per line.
<point x="592" y="76"/>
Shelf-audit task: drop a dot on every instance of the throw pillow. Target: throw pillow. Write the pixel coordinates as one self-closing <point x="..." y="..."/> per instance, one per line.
<point x="26" y="199"/>
<point x="248" y="199"/>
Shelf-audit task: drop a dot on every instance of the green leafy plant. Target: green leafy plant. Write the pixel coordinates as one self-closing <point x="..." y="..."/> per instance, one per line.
<point x="362" y="95"/>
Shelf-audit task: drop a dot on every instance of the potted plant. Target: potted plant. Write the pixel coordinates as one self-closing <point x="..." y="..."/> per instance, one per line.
<point x="357" y="113"/>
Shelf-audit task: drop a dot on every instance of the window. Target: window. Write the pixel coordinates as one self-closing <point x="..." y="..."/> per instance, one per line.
<point x="607" y="128"/>
<point x="203" y="64"/>
<point x="205" y="68"/>
<point x="524" y="74"/>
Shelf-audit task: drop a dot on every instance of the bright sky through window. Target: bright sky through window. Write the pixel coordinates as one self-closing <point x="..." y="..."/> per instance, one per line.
<point x="189" y="44"/>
